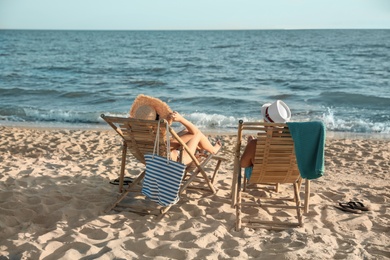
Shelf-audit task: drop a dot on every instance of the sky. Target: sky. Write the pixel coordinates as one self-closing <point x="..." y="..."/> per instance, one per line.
<point x="194" y="14"/>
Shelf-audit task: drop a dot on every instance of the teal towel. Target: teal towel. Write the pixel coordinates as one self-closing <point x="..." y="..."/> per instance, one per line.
<point x="309" y="142"/>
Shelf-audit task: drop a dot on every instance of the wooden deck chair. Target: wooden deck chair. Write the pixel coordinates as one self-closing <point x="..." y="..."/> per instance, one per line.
<point x="275" y="162"/>
<point x="138" y="137"/>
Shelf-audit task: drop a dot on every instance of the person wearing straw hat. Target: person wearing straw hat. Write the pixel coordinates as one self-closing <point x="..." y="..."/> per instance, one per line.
<point x="276" y="112"/>
<point x="150" y="108"/>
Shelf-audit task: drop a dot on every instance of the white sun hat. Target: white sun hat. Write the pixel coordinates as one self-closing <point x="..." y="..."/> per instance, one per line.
<point x="277" y="112"/>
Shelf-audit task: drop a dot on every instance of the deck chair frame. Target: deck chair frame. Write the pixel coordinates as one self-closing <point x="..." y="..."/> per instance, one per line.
<point x="275" y="163"/>
<point x="138" y="137"/>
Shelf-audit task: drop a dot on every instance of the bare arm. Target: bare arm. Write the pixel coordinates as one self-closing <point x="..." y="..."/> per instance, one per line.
<point x="191" y="128"/>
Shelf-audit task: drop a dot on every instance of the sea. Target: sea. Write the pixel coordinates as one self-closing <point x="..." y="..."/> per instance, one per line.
<point x="62" y="78"/>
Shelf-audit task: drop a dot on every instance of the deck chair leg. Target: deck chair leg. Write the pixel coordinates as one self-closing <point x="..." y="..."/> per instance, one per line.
<point x="185" y="185"/>
<point x="128" y="189"/>
<point x="163" y="212"/>
<point x="245" y="183"/>
<point x="277" y="187"/>
<point x="206" y="161"/>
<point x="123" y="164"/>
<point x="136" y="181"/>
<point x="211" y="186"/>
<point x="123" y="195"/>
<point x="238" y="208"/>
<point x="216" y="171"/>
<point x="298" y="203"/>
<point x="233" y="193"/>
<point x="193" y="176"/>
<point x="307" y="196"/>
<point x="235" y="184"/>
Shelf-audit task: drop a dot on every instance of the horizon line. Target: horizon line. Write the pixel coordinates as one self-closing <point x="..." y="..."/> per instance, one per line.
<point x="274" y="29"/>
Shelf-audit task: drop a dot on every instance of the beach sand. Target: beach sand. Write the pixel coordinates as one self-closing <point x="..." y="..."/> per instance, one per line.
<point x="54" y="188"/>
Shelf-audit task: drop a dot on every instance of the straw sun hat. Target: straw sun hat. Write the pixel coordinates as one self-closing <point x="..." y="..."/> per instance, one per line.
<point x="146" y="107"/>
<point x="277" y="112"/>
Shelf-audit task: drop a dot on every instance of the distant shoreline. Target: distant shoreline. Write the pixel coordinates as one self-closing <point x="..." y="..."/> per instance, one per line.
<point x="201" y="30"/>
<point x="212" y="132"/>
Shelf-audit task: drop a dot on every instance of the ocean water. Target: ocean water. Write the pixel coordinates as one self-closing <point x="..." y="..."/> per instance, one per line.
<point x="214" y="78"/>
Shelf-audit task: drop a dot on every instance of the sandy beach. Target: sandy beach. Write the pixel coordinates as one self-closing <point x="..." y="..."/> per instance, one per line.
<point x="54" y="188"/>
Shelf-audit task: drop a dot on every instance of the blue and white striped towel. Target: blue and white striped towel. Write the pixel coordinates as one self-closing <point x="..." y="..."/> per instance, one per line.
<point x="162" y="179"/>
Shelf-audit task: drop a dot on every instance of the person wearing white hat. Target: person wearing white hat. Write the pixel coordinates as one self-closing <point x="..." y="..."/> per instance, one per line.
<point x="276" y="112"/>
<point x="150" y="108"/>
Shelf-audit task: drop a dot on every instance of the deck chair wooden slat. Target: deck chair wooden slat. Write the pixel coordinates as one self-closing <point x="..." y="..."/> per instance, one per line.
<point x="274" y="163"/>
<point x="138" y="137"/>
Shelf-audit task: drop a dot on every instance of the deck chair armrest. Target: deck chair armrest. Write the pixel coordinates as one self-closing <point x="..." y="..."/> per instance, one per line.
<point x="116" y="128"/>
